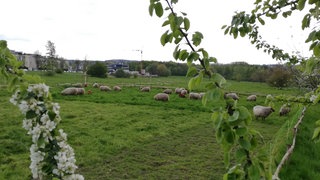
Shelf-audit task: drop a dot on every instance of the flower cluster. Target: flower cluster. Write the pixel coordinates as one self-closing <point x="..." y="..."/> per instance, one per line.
<point x="41" y="119"/>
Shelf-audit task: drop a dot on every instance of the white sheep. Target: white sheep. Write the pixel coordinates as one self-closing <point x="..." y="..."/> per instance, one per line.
<point x="234" y="96"/>
<point x="262" y="111"/>
<point x="145" y="89"/>
<point x="285" y="109"/>
<point x="202" y="94"/>
<point x="252" y="98"/>
<point x="167" y="91"/>
<point x="193" y="95"/>
<point x="117" y="88"/>
<point x="105" y="88"/>
<point x="73" y="91"/>
<point x="161" y="97"/>
<point x="178" y="90"/>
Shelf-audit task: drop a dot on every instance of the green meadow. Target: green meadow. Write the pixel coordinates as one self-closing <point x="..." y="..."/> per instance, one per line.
<point x="129" y="135"/>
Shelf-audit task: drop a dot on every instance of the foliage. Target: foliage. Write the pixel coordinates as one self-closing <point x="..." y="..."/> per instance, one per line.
<point x="97" y="70"/>
<point x="51" y="63"/>
<point x="279" y="77"/>
<point x="51" y="156"/>
<point x="59" y="71"/>
<point x="120" y="73"/>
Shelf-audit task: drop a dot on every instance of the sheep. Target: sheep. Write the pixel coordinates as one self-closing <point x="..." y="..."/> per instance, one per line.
<point x="95" y="85"/>
<point x="161" y="97"/>
<point x="73" y="91"/>
<point x="178" y="90"/>
<point x="252" y="98"/>
<point x="183" y="93"/>
<point x="145" y="89"/>
<point x="262" y="111"/>
<point x="234" y="96"/>
<point x="105" y="88"/>
<point x="285" y="109"/>
<point x="194" y="96"/>
<point x="202" y="94"/>
<point x="80" y="91"/>
<point x="117" y="88"/>
<point x="167" y="91"/>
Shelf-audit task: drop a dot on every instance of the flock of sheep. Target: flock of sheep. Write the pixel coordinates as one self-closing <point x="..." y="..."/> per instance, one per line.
<point x="258" y="110"/>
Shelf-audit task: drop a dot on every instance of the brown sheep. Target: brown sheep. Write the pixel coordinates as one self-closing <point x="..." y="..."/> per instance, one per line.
<point x="285" y="109"/>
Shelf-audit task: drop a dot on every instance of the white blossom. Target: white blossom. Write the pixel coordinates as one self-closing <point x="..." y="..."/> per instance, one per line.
<point x="74" y="177"/>
<point x="27" y="125"/>
<point x="313" y="98"/>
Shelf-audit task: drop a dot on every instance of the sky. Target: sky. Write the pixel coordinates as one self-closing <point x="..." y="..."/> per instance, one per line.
<point x="123" y="29"/>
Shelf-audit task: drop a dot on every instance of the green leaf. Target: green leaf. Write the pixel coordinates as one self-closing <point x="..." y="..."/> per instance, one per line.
<point x="218" y="79"/>
<point x="183" y="55"/>
<point x="241" y="154"/>
<point x="167" y="22"/>
<point x="316" y="133"/>
<point x="186" y="23"/>
<point x="244" y="115"/>
<point x="311" y="36"/>
<point x="234" y="116"/>
<point x="176" y="52"/>
<point x="316" y="50"/>
<point x="306" y="21"/>
<point x="254" y="172"/>
<point x="158" y="8"/>
<point x="31" y="114"/>
<point x="224" y="26"/>
<point x="196" y="38"/>
<point x="151" y="8"/>
<point x="244" y="143"/>
<point x="192" y="57"/>
<point x="164" y="38"/>
<point x="229" y="136"/>
<point x="174" y="1"/>
<point x="214" y="95"/>
<point x="261" y="20"/>
<point x="241" y="131"/>
<point x="192" y="71"/>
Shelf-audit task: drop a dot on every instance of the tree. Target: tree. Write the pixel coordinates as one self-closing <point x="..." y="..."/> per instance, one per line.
<point x="279" y="77"/>
<point x="162" y="70"/>
<point x="97" y="70"/>
<point x="51" y="54"/>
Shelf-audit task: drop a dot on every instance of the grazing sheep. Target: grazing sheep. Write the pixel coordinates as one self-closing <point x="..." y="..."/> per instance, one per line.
<point x="202" y="94"/>
<point x="252" y="98"/>
<point x="73" y="91"/>
<point x="194" y="96"/>
<point x="117" y="88"/>
<point x="183" y="93"/>
<point x="161" y="97"/>
<point x="167" y="91"/>
<point x="80" y="91"/>
<point x="105" y="88"/>
<point x="285" y="109"/>
<point x="262" y="111"/>
<point x="95" y="85"/>
<point x="145" y="89"/>
<point x="234" y="96"/>
<point x="178" y="90"/>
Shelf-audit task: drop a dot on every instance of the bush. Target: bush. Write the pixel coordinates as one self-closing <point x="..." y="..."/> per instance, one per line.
<point x="97" y="70"/>
<point x="49" y="73"/>
<point x="279" y="77"/>
<point x="59" y="71"/>
<point x="120" y="73"/>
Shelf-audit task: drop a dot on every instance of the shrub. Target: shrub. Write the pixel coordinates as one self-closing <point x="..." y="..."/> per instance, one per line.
<point x="59" y="71"/>
<point x="49" y="73"/>
<point x="120" y="73"/>
<point x="97" y="70"/>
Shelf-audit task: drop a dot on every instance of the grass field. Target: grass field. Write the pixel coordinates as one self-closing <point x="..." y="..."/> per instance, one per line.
<point x="128" y="135"/>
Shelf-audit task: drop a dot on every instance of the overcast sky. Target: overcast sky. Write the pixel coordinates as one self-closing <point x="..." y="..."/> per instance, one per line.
<point x="121" y="29"/>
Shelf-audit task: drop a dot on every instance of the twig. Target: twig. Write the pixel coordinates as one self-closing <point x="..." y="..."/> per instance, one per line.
<point x="290" y="150"/>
